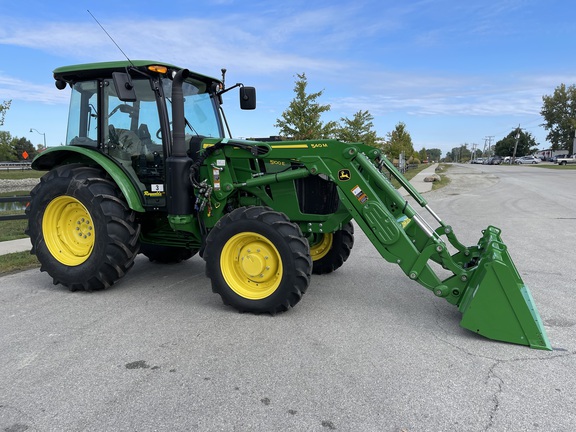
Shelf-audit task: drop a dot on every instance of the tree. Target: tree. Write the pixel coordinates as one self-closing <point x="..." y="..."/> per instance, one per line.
<point x="434" y="154"/>
<point x="301" y="120"/>
<point x="358" y="129"/>
<point x="7" y="152"/>
<point x="559" y="112"/>
<point x="399" y="140"/>
<point x="4" y="107"/>
<point x="23" y="148"/>
<point x="526" y="144"/>
<point x="422" y="155"/>
<point x="459" y="154"/>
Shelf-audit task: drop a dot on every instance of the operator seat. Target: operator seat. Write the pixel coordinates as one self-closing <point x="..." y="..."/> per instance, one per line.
<point x="145" y="137"/>
<point x="194" y="146"/>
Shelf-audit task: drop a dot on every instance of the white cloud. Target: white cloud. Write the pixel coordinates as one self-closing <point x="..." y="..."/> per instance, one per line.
<point x="14" y="88"/>
<point x="444" y="95"/>
<point x="201" y="44"/>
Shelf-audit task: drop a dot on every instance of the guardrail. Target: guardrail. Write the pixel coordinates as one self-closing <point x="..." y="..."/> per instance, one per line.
<point x="15" y="166"/>
<point x="17" y="198"/>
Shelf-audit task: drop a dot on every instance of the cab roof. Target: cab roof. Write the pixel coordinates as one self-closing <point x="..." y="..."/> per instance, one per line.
<point x="86" y="71"/>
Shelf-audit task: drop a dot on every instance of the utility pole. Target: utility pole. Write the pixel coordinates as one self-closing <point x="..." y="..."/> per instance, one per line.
<point x="515" y="144"/>
<point x="474" y="148"/>
<point x="489" y="139"/>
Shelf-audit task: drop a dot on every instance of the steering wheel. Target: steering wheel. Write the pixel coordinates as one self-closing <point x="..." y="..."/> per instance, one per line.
<point x="159" y="131"/>
<point x="125" y="108"/>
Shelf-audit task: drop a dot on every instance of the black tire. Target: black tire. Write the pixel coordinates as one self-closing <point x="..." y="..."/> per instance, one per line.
<point x="81" y="228"/>
<point x="258" y="261"/>
<point x="330" y="251"/>
<point x="563" y="163"/>
<point x="166" y="254"/>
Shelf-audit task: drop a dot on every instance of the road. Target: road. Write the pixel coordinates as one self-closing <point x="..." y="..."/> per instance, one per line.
<point x="365" y="350"/>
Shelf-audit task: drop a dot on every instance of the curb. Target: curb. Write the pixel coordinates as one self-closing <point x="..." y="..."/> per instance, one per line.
<point x="418" y="181"/>
<point x="13" y="246"/>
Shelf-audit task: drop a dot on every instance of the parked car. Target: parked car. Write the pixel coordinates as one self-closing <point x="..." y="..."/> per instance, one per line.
<point x="566" y="160"/>
<point x="528" y="160"/>
<point x="495" y="160"/>
<point x="555" y="158"/>
<point x="477" y="161"/>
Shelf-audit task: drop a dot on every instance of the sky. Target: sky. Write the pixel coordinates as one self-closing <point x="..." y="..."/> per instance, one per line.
<point x="455" y="72"/>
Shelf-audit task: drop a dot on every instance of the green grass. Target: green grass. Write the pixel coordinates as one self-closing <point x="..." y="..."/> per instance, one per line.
<point x="18" y="261"/>
<point x="542" y="166"/>
<point x="413" y="171"/>
<point x="20" y="174"/>
<point x="444" y="180"/>
<point x="409" y="174"/>
<point x="12" y="229"/>
<point x="556" y="167"/>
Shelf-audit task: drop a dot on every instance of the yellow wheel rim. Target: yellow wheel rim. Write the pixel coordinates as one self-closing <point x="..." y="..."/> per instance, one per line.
<point x="320" y="248"/>
<point x="68" y="230"/>
<point x="251" y="265"/>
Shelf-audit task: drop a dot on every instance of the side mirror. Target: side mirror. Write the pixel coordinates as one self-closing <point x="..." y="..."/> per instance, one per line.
<point x="124" y="87"/>
<point x="247" y="98"/>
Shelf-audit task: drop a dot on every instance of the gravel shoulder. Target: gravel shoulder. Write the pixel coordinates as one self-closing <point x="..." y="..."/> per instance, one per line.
<point x="18" y="185"/>
<point x="463" y="179"/>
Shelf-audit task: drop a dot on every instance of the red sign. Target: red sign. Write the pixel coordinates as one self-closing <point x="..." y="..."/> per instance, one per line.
<point x="25" y="154"/>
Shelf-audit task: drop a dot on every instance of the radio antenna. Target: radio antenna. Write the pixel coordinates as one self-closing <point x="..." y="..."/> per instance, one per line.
<point x="111" y="38"/>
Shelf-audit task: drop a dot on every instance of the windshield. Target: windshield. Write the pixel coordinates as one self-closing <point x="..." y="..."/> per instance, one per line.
<point x="199" y="109"/>
<point x="83" y="117"/>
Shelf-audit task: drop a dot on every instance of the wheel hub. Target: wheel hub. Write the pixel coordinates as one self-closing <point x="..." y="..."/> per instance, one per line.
<point x="321" y="245"/>
<point x="255" y="261"/>
<point x="251" y="265"/>
<point x="68" y="230"/>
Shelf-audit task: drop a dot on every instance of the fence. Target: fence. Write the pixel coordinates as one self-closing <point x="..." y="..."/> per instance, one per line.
<point x="15" y="166"/>
<point x="14" y="199"/>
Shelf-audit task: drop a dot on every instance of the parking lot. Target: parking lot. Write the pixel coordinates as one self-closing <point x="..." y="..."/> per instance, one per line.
<point x="366" y="349"/>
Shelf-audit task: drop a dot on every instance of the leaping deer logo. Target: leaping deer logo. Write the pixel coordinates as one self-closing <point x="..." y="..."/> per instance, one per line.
<point x="344" y="175"/>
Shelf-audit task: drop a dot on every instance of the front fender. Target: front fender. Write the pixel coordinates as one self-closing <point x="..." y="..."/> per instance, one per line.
<point x="56" y="156"/>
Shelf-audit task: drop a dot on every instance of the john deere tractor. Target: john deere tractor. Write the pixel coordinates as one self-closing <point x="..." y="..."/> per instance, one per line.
<point x="150" y="167"/>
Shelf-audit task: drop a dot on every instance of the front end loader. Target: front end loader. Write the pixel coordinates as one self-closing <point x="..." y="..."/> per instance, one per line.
<point x="150" y="167"/>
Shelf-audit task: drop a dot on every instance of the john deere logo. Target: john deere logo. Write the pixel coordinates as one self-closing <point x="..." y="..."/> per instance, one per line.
<point x="344" y="175"/>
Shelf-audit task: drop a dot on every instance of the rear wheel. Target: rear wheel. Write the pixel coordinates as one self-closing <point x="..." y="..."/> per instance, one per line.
<point x="258" y="261"/>
<point x="330" y="251"/>
<point x="81" y="228"/>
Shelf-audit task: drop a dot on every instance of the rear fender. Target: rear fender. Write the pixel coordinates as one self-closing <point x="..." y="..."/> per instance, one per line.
<point x="56" y="156"/>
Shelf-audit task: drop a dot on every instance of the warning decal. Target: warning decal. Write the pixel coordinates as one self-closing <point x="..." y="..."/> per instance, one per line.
<point x="361" y="196"/>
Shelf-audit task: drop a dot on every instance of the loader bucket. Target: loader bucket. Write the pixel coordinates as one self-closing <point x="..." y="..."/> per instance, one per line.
<point x="496" y="303"/>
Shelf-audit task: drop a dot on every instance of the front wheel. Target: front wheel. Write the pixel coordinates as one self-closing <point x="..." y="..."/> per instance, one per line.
<point x="81" y="228"/>
<point x="258" y="261"/>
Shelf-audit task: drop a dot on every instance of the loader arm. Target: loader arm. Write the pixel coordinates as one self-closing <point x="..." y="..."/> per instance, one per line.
<point x="481" y="280"/>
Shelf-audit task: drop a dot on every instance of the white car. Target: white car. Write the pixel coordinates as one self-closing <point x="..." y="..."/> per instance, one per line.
<point x="528" y="160"/>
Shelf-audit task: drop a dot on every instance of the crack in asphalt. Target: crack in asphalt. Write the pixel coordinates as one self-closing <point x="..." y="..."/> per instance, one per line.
<point x="491" y="375"/>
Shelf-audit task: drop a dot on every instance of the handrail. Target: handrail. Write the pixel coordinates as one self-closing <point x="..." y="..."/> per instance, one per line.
<point x="15" y="198"/>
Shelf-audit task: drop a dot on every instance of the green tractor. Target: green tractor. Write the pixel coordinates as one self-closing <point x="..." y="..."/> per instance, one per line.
<point x="150" y="167"/>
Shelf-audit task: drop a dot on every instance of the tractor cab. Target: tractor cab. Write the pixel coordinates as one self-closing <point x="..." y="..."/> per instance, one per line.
<point x="123" y="110"/>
